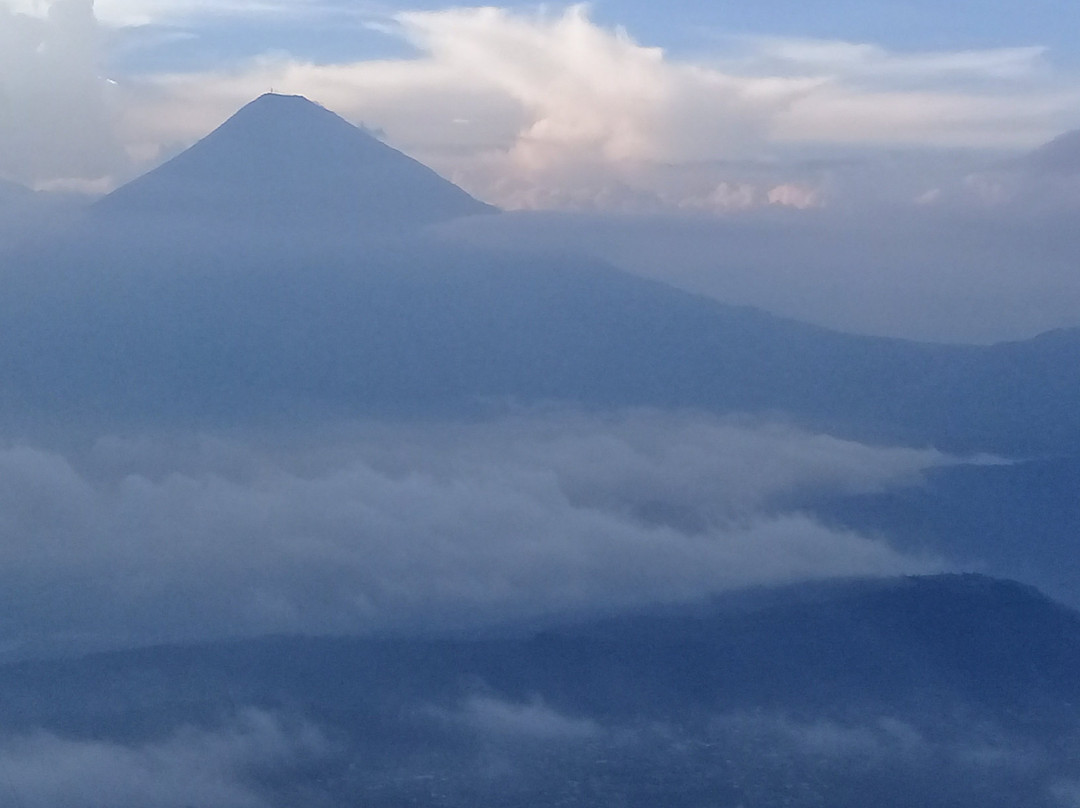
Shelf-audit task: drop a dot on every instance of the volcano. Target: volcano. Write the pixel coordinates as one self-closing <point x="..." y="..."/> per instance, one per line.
<point x="284" y="161"/>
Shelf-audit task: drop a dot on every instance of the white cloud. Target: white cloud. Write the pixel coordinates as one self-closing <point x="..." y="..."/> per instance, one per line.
<point x="148" y="12"/>
<point x="56" y="115"/>
<point x="406" y="526"/>
<point x="840" y="114"/>
<point x="532" y="720"/>
<point x="868" y="61"/>
<point x="880" y="738"/>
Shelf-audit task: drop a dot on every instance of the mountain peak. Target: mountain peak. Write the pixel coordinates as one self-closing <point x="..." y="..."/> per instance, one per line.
<point x="284" y="161"/>
<point x="278" y="107"/>
<point x="272" y="97"/>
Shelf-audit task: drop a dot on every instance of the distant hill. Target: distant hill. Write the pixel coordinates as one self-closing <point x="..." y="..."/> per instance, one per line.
<point x="945" y="691"/>
<point x="283" y="161"/>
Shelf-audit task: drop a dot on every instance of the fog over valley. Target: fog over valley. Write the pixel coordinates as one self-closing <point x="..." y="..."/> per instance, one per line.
<point x="376" y="526"/>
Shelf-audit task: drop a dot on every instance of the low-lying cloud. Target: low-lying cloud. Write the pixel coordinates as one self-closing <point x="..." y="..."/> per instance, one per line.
<point x="211" y="768"/>
<point x="532" y="720"/>
<point x="383" y="527"/>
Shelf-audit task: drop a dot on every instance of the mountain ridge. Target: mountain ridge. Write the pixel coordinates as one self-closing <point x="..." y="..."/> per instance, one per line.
<point x="937" y="691"/>
<point x="944" y="615"/>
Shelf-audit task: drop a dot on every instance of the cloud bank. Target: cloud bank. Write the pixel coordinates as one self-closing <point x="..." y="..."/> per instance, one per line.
<point x="397" y="527"/>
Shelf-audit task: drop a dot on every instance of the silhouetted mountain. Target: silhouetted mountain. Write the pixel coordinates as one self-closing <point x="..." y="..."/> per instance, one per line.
<point x="952" y="691"/>
<point x="283" y="161"/>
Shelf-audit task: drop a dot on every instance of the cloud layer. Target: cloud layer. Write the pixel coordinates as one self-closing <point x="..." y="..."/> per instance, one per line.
<point x="395" y="527"/>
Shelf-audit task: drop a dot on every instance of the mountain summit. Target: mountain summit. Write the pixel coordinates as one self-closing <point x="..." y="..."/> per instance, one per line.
<point x="285" y="161"/>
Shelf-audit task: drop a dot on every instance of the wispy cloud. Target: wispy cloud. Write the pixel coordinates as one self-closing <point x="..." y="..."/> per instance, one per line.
<point x="840" y="58"/>
<point x="171" y="12"/>
<point x="529" y="720"/>
<point x="192" y="767"/>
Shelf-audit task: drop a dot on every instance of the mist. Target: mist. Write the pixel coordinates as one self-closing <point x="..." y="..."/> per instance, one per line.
<point x="378" y="527"/>
<point x="220" y="767"/>
<point x="956" y="275"/>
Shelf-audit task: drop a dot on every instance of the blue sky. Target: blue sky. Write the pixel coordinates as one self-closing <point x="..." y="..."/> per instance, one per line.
<point x="683" y="27"/>
<point x="901" y="24"/>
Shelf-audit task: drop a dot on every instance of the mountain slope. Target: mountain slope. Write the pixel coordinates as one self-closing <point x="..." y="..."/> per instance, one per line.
<point x="276" y="266"/>
<point x="253" y="328"/>
<point x="996" y="647"/>
<point x="283" y="161"/>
